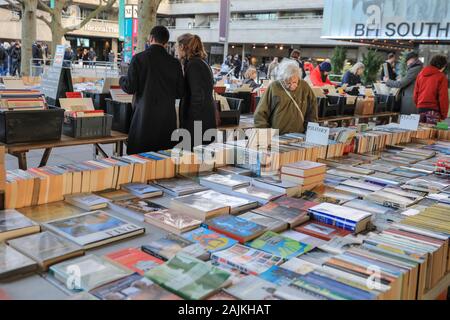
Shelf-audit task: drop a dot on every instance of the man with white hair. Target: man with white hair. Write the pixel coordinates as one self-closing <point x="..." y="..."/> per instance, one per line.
<point x="289" y="102"/>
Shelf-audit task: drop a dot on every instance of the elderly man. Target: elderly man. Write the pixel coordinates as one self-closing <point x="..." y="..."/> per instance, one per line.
<point x="289" y="103"/>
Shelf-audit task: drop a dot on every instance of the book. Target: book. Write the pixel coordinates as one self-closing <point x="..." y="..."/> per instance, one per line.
<point x="172" y="221"/>
<point x="279" y="245"/>
<point x="136" y="208"/>
<point x="93" y="229"/>
<point x="14" y="264"/>
<point x="50" y="211"/>
<point x="209" y="239"/>
<point x="339" y="245"/>
<point x="350" y="219"/>
<point x="304" y="169"/>
<point x="115" y="195"/>
<point x="319" y="178"/>
<point x="290" y="210"/>
<point x="322" y="231"/>
<point x="221" y="295"/>
<point x="13" y="224"/>
<point x="168" y="246"/>
<point x="189" y="277"/>
<point x="179" y="186"/>
<point x="133" y="287"/>
<point x="266" y="221"/>
<point x="367" y="206"/>
<point x="275" y="183"/>
<point x="236" y="228"/>
<point x="142" y="190"/>
<point x="279" y="275"/>
<point x="252" y="288"/>
<point x="91" y="272"/>
<point x="303" y="237"/>
<point x="441" y="197"/>
<point x="220" y="182"/>
<point x="201" y="205"/>
<point x="87" y="201"/>
<point x="260" y="195"/>
<point x="248" y="260"/>
<point x="134" y="259"/>
<point x="234" y="170"/>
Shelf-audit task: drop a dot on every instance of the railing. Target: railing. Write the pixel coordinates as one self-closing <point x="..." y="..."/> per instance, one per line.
<point x="95" y="69"/>
<point x="275" y="18"/>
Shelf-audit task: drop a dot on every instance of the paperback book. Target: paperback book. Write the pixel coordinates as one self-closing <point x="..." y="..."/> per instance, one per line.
<point x="210" y="240"/>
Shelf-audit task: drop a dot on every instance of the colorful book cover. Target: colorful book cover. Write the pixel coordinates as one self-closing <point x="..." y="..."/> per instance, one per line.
<point x="279" y="276"/>
<point x="135" y="259"/>
<point x="280" y="246"/>
<point x="235" y="227"/>
<point x="210" y="240"/>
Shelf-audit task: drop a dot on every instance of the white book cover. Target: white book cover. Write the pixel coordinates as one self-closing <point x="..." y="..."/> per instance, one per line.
<point x="341" y="212"/>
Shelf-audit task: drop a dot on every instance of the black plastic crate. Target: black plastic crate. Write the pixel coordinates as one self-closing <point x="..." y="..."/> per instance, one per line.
<point x="232" y="116"/>
<point x="31" y="125"/>
<point x="348" y="109"/>
<point x="381" y="103"/>
<point x="245" y="96"/>
<point x="88" y="127"/>
<point x="99" y="99"/>
<point x="122" y="114"/>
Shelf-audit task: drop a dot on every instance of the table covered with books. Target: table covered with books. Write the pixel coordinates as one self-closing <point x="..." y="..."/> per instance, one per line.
<point x="230" y="221"/>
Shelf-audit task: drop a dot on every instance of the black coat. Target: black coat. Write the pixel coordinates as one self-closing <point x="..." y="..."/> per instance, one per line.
<point x="156" y="80"/>
<point x="392" y="74"/>
<point x="198" y="101"/>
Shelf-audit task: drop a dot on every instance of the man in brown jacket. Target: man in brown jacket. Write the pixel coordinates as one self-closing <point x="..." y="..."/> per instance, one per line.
<point x="289" y="103"/>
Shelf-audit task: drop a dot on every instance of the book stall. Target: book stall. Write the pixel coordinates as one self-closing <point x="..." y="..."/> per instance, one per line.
<point x="354" y="213"/>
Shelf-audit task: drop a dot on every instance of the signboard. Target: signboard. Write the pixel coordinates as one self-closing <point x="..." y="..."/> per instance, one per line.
<point x="387" y="19"/>
<point x="224" y="20"/>
<point x="316" y="134"/>
<point x="409" y="122"/>
<point x="121" y="20"/>
<point x="59" y="56"/>
<point x="55" y="83"/>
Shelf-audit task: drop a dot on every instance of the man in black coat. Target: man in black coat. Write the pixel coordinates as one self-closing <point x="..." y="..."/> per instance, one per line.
<point x="156" y="80"/>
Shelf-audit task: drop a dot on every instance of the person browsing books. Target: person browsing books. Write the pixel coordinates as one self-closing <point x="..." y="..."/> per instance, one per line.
<point x="197" y="106"/>
<point x="319" y="76"/>
<point x="289" y="103"/>
<point x="155" y="78"/>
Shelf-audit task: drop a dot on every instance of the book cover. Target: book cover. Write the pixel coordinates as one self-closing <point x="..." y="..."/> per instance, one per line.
<point x="134" y="287"/>
<point x="236" y="228"/>
<point x="252" y="288"/>
<point x="46" y="248"/>
<point x="51" y="211"/>
<point x="292" y="215"/>
<point x="92" y="272"/>
<point x="172" y="220"/>
<point x="322" y="231"/>
<point x="189" y="277"/>
<point x="140" y="205"/>
<point x="209" y="239"/>
<point x="223" y="181"/>
<point x="14" y="224"/>
<point x="87" y="201"/>
<point x="168" y="246"/>
<point x="280" y="246"/>
<point x="179" y="186"/>
<point x="304" y="168"/>
<point x="204" y="203"/>
<point x="142" y="190"/>
<point x="135" y="259"/>
<point x="271" y="224"/>
<point x="93" y="228"/>
<point x="13" y="263"/>
<point x="279" y="276"/>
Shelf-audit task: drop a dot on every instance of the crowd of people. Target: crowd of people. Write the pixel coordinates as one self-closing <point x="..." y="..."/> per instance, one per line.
<point x="10" y="58"/>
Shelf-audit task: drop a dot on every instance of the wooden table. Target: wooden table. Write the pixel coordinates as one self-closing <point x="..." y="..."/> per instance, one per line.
<point x="20" y="150"/>
<point x="390" y="115"/>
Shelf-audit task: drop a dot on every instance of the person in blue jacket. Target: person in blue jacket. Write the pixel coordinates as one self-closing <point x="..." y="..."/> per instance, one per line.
<point x="353" y="76"/>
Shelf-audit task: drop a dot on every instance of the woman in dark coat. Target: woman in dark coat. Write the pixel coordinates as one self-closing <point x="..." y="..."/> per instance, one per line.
<point x="197" y="106"/>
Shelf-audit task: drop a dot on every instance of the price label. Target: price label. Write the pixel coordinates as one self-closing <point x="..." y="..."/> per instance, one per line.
<point x="316" y="134"/>
<point x="409" y="122"/>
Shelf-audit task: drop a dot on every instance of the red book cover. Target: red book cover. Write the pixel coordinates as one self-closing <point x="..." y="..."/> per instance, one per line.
<point x="295" y="203"/>
<point x="135" y="259"/>
<point x="321" y="230"/>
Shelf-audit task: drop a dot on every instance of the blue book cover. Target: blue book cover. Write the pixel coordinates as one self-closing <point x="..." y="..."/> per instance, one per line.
<point x="151" y="156"/>
<point x="279" y="276"/>
<point x="210" y="240"/>
<point x="236" y="228"/>
<point x="279" y="245"/>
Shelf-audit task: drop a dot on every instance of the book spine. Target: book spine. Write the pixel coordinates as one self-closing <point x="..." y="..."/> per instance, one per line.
<point x="332" y="217"/>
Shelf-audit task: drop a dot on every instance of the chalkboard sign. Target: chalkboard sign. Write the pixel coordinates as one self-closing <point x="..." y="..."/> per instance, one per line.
<point x="55" y="83"/>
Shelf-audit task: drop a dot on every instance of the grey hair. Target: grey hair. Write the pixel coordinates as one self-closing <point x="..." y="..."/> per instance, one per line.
<point x="287" y="69"/>
<point x="356" y="67"/>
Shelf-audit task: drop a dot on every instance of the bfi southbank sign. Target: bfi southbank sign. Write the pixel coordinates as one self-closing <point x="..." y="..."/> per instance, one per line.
<point x="387" y="19"/>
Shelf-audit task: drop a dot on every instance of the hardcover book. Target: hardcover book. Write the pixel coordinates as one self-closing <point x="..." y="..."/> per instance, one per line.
<point x="172" y="221"/>
<point x="92" y="272"/>
<point x="167" y="247"/>
<point x="46" y="248"/>
<point x="220" y="182"/>
<point x="142" y="190"/>
<point x="93" y="229"/>
<point x="179" y="186"/>
<point x="50" y="211"/>
<point x="189" y="277"/>
<point x="271" y="224"/>
<point x="13" y="263"/>
<point x="13" y="224"/>
<point x="290" y="210"/>
<point x="304" y="168"/>
<point x="134" y="287"/>
<point x="209" y="239"/>
<point x="87" y="201"/>
<point x="236" y="228"/>
<point x="279" y="246"/>
<point x="134" y="259"/>
<point x="322" y="231"/>
<point x="201" y="205"/>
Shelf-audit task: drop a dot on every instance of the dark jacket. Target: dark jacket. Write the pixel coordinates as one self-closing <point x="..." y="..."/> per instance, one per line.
<point x="198" y="102"/>
<point x="351" y="79"/>
<point x="302" y="66"/>
<point x="392" y="74"/>
<point x="3" y="55"/>
<point x="407" y="87"/>
<point x="16" y="54"/>
<point x="431" y="91"/>
<point x="156" y="80"/>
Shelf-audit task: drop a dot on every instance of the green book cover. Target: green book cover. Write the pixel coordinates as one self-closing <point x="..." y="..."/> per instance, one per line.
<point x="188" y="277"/>
<point x="279" y="245"/>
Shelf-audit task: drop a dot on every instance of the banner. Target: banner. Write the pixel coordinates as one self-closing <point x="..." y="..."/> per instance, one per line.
<point x="224" y="20"/>
<point x="121" y="20"/>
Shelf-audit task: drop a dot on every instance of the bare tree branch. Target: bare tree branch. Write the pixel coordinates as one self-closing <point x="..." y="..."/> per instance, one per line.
<point x="44" y="7"/>
<point x="47" y="22"/>
<point x="92" y="15"/>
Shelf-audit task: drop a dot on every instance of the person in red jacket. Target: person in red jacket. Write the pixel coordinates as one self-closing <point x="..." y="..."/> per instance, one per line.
<point x="431" y="91"/>
<point x="319" y="76"/>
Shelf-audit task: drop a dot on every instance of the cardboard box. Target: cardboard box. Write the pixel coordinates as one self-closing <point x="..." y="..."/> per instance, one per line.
<point x="365" y="106"/>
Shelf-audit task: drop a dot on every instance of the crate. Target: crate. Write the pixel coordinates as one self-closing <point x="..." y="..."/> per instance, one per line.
<point x="31" y="125"/>
<point x="232" y="116"/>
<point x="88" y="127"/>
<point x="348" y="109"/>
<point x="99" y="99"/>
<point x="245" y="96"/>
<point x="122" y="114"/>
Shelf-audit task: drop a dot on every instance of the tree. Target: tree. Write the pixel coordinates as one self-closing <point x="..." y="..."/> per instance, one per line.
<point x="338" y="59"/>
<point x="372" y="61"/>
<point x="29" y="10"/>
<point x="147" y="20"/>
<point x="56" y="24"/>
<point x="403" y="64"/>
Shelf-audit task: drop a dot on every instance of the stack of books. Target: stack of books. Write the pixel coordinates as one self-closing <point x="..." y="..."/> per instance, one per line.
<point x="307" y="174"/>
